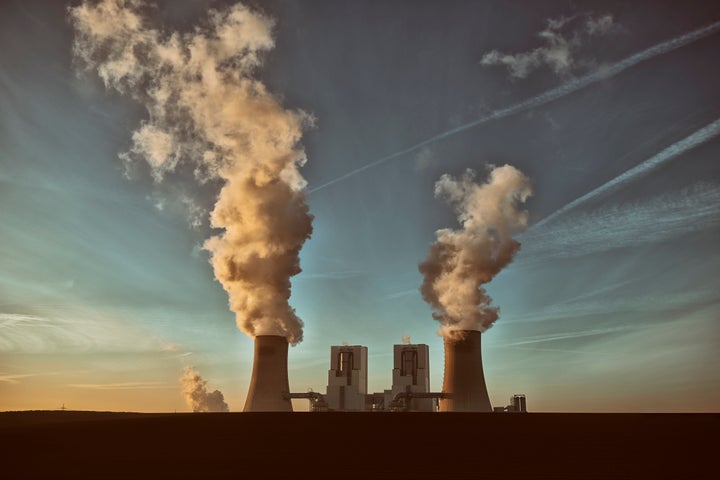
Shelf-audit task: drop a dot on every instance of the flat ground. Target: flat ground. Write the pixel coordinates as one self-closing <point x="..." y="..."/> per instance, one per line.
<point x="357" y="445"/>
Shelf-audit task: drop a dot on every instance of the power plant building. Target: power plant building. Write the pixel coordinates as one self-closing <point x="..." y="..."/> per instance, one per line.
<point x="347" y="378"/>
<point x="411" y="375"/>
<point x="463" y="389"/>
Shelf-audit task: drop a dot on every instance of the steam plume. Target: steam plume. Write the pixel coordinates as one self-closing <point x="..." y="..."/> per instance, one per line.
<point x="196" y="395"/>
<point x="463" y="260"/>
<point x="207" y="111"/>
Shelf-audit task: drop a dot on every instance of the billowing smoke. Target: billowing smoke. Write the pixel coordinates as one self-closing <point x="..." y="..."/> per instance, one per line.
<point x="461" y="261"/>
<point x="207" y="111"/>
<point x="196" y="395"/>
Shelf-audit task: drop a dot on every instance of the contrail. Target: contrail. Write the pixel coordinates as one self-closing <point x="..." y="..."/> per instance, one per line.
<point x="701" y="136"/>
<point x="548" y="96"/>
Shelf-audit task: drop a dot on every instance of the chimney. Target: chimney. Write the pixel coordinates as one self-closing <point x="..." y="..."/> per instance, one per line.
<point x="464" y="381"/>
<point x="269" y="387"/>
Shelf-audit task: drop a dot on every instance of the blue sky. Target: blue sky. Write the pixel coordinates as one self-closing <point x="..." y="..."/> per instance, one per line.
<point x="611" y="305"/>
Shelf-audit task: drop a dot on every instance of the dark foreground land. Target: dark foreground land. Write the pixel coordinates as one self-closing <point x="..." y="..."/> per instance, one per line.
<point x="358" y="445"/>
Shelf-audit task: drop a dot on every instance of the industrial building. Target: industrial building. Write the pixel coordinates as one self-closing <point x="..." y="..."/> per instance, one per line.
<point x="411" y="375"/>
<point x="347" y="378"/>
<point x="464" y="388"/>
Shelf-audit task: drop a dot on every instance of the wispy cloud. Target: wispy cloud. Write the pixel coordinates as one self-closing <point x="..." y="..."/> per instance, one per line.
<point x="424" y="159"/>
<point x="339" y="275"/>
<point x="602" y="305"/>
<point x="544" y="98"/>
<point x="123" y="386"/>
<point x="693" y="140"/>
<point x="562" y="38"/>
<point x="43" y="334"/>
<point x="552" y="337"/>
<point x="14" y="378"/>
<point x="402" y="294"/>
<point x="650" y="221"/>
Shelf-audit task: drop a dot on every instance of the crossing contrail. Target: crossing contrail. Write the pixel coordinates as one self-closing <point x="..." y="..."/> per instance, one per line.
<point x="545" y="97"/>
<point x="701" y="136"/>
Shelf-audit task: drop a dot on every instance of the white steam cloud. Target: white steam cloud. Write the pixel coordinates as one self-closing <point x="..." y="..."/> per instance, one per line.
<point x="207" y="111"/>
<point x="197" y="396"/>
<point x="461" y="261"/>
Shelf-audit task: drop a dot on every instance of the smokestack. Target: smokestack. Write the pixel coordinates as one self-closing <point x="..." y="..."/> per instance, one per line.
<point x="464" y="380"/>
<point x="269" y="385"/>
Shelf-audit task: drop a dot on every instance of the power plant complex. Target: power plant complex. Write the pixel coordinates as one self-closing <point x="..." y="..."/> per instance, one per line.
<point x="464" y="388"/>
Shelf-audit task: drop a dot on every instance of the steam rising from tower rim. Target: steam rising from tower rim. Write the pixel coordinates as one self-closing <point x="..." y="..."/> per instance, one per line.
<point x="461" y="261"/>
<point x="206" y="110"/>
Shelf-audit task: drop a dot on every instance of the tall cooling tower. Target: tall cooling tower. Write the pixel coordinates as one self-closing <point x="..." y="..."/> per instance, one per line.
<point x="464" y="381"/>
<point x="269" y="385"/>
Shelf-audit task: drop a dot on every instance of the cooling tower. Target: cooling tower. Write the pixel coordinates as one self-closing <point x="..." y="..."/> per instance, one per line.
<point x="464" y="381"/>
<point x="269" y="386"/>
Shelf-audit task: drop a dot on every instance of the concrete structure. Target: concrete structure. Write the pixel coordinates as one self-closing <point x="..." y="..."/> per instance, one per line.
<point x="411" y="374"/>
<point x="269" y="388"/>
<point x="347" y="378"/>
<point x="464" y="380"/>
<point x="518" y="403"/>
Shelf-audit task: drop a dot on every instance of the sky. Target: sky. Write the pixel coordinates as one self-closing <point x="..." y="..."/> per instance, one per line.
<point x="612" y="109"/>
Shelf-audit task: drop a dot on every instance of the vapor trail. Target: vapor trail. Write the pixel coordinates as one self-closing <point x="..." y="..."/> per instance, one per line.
<point x="547" y="97"/>
<point x="701" y="136"/>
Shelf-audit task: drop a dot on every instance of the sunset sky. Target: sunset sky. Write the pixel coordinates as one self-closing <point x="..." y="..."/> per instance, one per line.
<point x="611" y="108"/>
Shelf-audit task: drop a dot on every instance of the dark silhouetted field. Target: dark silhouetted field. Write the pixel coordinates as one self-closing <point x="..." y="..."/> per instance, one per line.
<point x="357" y="445"/>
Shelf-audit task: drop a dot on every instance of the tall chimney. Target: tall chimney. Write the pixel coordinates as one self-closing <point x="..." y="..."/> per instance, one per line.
<point x="269" y="385"/>
<point x="464" y="381"/>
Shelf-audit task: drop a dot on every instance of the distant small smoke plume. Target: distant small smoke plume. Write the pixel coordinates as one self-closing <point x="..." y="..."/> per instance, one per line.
<point x="196" y="395"/>
<point x="208" y="113"/>
<point x="463" y="260"/>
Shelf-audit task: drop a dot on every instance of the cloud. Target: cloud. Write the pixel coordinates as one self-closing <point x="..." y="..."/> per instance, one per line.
<point x="13" y="378"/>
<point x="340" y="275"/>
<point x="611" y="306"/>
<point x="542" y="99"/>
<point x="424" y="159"/>
<point x="652" y="220"/>
<point x="693" y="140"/>
<point x="600" y="25"/>
<point x="122" y="386"/>
<point x="40" y="334"/>
<point x="563" y="38"/>
<point x="400" y="294"/>
<point x="552" y="337"/>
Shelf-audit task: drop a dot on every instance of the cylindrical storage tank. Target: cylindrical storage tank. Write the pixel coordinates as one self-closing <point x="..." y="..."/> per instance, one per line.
<point x="464" y="380"/>
<point x="269" y="387"/>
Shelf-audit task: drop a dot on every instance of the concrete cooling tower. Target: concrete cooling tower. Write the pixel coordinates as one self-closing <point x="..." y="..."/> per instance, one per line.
<point x="464" y="381"/>
<point x="269" y="387"/>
